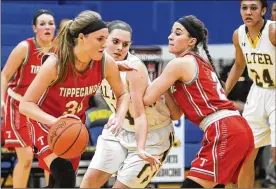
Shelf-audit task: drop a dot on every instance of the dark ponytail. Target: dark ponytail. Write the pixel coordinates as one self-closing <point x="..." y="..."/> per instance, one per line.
<point x="205" y="48"/>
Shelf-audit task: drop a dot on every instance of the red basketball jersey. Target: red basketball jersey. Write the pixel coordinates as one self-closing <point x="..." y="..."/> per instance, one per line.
<point x="28" y="69"/>
<point x="72" y="95"/>
<point x="203" y="96"/>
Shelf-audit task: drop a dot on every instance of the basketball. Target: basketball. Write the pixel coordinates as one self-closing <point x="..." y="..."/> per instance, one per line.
<point x="68" y="138"/>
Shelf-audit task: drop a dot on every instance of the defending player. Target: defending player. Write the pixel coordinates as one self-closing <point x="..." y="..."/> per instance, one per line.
<point x="147" y="131"/>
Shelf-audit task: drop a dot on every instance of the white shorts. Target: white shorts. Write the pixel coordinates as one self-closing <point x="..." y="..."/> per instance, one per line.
<point x="119" y="155"/>
<point x="259" y="111"/>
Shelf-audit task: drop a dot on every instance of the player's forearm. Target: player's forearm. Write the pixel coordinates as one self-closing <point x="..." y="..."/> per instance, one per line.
<point x="150" y="96"/>
<point x="233" y="77"/>
<point x="122" y="105"/>
<point x="141" y="131"/>
<point x="32" y="111"/>
<point x="175" y="111"/>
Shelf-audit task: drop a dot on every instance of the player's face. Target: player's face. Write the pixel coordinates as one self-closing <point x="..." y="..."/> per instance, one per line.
<point x="118" y="43"/>
<point x="179" y="39"/>
<point x="251" y="12"/>
<point x="94" y="43"/>
<point x="273" y="12"/>
<point x="45" y="27"/>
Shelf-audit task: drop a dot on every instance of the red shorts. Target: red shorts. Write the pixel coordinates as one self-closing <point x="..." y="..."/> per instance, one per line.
<point x="41" y="147"/>
<point x="16" y="132"/>
<point x="226" y="145"/>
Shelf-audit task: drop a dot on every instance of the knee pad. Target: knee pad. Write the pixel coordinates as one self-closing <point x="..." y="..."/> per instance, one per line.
<point x="63" y="173"/>
<point x="188" y="183"/>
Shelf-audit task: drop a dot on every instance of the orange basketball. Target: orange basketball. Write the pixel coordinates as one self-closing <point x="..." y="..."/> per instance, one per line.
<point x="68" y="138"/>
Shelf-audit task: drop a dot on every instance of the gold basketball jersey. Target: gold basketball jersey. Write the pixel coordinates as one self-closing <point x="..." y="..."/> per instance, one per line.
<point x="158" y="115"/>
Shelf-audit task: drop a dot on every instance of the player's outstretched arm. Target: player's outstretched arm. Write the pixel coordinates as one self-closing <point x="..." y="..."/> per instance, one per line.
<point x="138" y="82"/>
<point x="28" y="105"/>
<point x="113" y="77"/>
<point x="238" y="67"/>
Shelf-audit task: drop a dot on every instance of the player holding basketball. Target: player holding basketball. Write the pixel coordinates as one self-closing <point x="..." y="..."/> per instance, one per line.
<point x="23" y="65"/>
<point x="197" y="92"/>
<point x="255" y="43"/>
<point x="64" y="84"/>
<point x="146" y="130"/>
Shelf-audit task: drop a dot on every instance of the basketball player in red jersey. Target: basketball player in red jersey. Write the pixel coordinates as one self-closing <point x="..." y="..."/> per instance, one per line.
<point x="23" y="65"/>
<point x="64" y="84"/>
<point x="196" y="91"/>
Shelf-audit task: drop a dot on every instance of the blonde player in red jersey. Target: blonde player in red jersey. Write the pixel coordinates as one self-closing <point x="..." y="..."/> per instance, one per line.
<point x="255" y="45"/>
<point x="23" y="65"/>
<point x="64" y="84"/>
<point x="196" y="91"/>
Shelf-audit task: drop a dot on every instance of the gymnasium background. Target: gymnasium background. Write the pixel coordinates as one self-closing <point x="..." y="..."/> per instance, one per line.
<point x="151" y="22"/>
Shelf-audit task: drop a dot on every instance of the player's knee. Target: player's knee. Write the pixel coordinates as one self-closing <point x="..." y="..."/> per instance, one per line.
<point x="93" y="176"/>
<point x="24" y="155"/>
<point x="26" y="162"/>
<point x="189" y="183"/>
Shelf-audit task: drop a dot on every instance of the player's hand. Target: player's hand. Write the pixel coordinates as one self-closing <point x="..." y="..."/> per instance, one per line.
<point x="154" y="162"/>
<point x="273" y="153"/>
<point x="125" y="66"/>
<point x="115" y="125"/>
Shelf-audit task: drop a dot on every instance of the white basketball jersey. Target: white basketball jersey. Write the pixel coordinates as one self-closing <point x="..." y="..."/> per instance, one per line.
<point x="259" y="56"/>
<point x="158" y="115"/>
